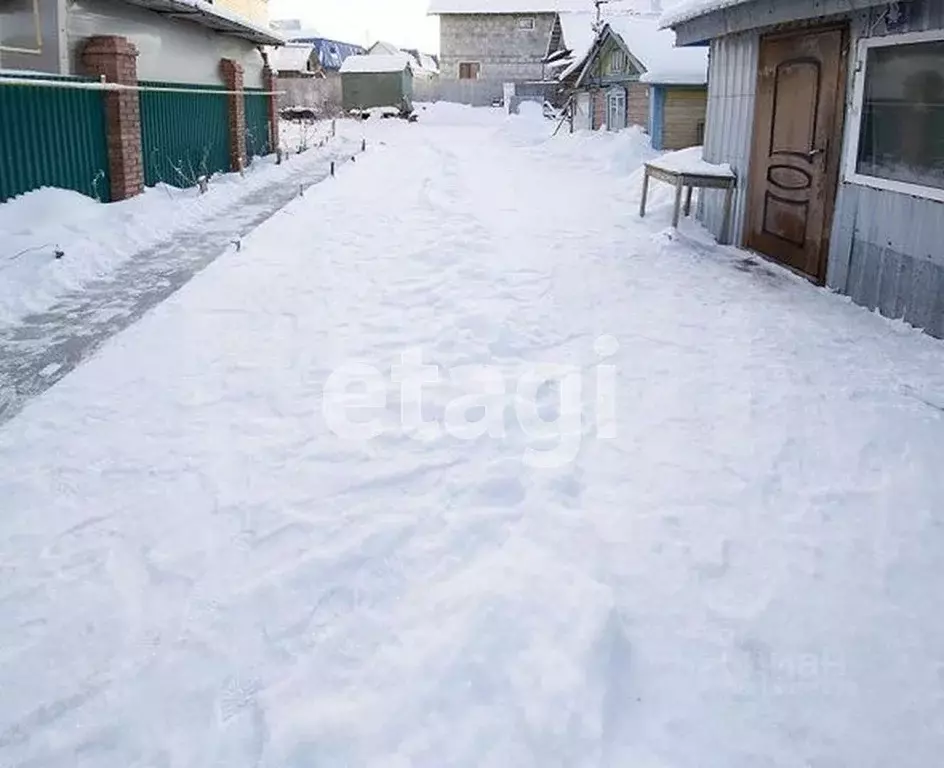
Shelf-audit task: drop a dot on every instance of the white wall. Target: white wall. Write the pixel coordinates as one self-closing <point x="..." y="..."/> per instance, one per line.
<point x="169" y="49"/>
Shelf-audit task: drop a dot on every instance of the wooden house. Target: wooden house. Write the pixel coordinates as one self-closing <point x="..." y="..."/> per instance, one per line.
<point x="634" y="75"/>
<point x="832" y="114"/>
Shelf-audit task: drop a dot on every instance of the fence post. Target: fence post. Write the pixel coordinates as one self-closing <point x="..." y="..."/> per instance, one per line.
<point x="270" y="83"/>
<point x="232" y="72"/>
<point x="115" y="59"/>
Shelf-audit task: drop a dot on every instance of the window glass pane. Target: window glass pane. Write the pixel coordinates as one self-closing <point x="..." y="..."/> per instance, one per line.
<point x="18" y="24"/>
<point x="902" y="135"/>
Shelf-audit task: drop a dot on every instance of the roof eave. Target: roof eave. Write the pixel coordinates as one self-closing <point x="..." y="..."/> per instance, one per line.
<point x="221" y="24"/>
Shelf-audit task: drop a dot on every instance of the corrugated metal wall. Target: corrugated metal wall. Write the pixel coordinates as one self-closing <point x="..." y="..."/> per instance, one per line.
<point x="183" y="136"/>
<point x="52" y="137"/>
<point x="257" y="123"/>
<point x="887" y="248"/>
<point x="732" y="86"/>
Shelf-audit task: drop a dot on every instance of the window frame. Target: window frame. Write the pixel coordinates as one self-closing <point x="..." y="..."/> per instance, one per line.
<point x="526" y="24"/>
<point x="854" y="136"/>
<point x="617" y="55"/>
<point x="616" y="95"/>
<point x="37" y="28"/>
<point x="478" y="70"/>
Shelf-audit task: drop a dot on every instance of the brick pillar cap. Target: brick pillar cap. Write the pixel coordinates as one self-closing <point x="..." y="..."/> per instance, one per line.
<point x="231" y="65"/>
<point x="112" y="45"/>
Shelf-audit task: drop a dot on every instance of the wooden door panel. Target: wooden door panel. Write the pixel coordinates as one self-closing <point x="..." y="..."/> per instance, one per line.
<point x="794" y="162"/>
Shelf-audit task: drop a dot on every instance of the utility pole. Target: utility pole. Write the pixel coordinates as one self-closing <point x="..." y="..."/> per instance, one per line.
<point x="598" y="24"/>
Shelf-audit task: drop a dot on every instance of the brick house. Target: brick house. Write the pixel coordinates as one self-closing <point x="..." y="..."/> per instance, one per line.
<point x="634" y="75"/>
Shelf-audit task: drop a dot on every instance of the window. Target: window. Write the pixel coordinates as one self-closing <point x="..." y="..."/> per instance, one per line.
<point x="19" y="26"/>
<point x="469" y="70"/>
<point x="617" y="62"/>
<point x="616" y="110"/>
<point x="526" y="24"/>
<point x="898" y="140"/>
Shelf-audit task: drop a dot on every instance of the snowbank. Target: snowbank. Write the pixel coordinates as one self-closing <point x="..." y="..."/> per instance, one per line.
<point x="447" y="113"/>
<point x="95" y="238"/>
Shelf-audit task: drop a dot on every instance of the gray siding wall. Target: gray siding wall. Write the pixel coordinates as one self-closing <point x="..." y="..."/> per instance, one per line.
<point x="886" y="248"/>
<point x="506" y="53"/>
<point x="729" y="128"/>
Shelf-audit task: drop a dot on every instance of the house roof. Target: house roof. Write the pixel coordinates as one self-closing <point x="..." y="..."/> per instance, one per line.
<point x="447" y="7"/>
<point x="291" y="58"/>
<point x="654" y="49"/>
<point x="577" y="32"/>
<point x="331" y="53"/>
<point x="375" y="64"/>
<point x="686" y="10"/>
<point x="213" y="17"/>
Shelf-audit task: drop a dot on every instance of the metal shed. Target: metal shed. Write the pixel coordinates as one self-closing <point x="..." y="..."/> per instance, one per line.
<point x="849" y="187"/>
<point x="369" y="82"/>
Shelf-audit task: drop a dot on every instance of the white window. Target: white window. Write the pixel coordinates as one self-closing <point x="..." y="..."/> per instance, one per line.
<point x="20" y="27"/>
<point x="616" y="109"/>
<point x="896" y="139"/>
<point x="526" y="24"/>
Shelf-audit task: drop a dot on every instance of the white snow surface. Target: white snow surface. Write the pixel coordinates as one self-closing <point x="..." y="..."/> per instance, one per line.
<point x="97" y="238"/>
<point x="195" y="571"/>
<point x="691" y="160"/>
<point x="656" y="50"/>
<point x="376" y="63"/>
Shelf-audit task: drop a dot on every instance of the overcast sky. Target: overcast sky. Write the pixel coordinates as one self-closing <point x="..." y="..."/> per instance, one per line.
<point x="401" y="22"/>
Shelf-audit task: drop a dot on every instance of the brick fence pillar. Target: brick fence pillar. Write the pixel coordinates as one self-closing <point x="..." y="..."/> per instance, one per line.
<point x="270" y="83"/>
<point x="233" y="78"/>
<point x="115" y="60"/>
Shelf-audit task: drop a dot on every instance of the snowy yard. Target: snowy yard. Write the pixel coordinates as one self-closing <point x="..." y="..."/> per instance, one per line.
<point x="712" y="537"/>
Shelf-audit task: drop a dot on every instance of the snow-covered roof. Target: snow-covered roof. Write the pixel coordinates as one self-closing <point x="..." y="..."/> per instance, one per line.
<point x="375" y="64"/>
<point x="428" y="63"/>
<point x="291" y="57"/>
<point x="655" y="49"/>
<point x="383" y="48"/>
<point x="213" y="17"/>
<point x="577" y="32"/>
<point x="686" y="10"/>
<point x="445" y="7"/>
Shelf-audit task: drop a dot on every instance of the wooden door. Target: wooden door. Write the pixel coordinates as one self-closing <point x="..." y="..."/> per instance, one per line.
<point x="797" y="145"/>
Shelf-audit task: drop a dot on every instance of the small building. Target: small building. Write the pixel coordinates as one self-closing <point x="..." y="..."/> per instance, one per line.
<point x="377" y="82"/>
<point x="832" y="114"/>
<point x="634" y="75"/>
<point x="295" y="60"/>
<point x="423" y="66"/>
<point x="329" y="54"/>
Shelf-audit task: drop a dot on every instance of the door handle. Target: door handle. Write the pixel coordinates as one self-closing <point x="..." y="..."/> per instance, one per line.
<point x="813" y="154"/>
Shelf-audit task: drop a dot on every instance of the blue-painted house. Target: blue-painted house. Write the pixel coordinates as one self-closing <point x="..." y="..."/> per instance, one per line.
<point x="634" y="75"/>
<point x="328" y="55"/>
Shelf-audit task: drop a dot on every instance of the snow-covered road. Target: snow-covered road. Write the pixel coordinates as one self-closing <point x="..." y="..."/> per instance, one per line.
<point x="741" y="568"/>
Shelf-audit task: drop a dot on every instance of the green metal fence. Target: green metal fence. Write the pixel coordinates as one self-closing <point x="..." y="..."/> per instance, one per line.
<point x="257" y="123"/>
<point x="183" y="135"/>
<point x="52" y="137"/>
